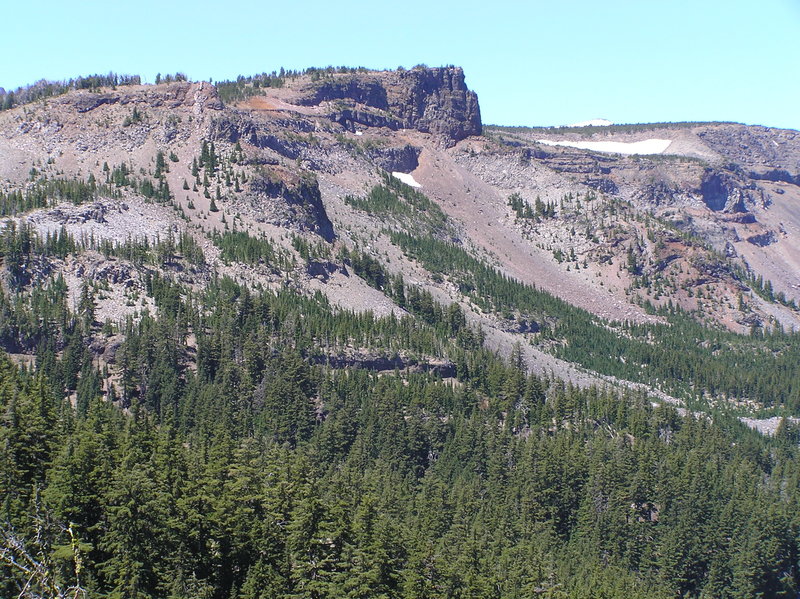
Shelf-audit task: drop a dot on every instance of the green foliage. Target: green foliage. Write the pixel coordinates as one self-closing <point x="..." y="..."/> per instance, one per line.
<point x="246" y="87"/>
<point x="134" y="118"/>
<point x="311" y="250"/>
<point x="46" y="193"/>
<point x="395" y="198"/>
<point x="681" y="356"/>
<point x="161" y="165"/>
<point x="246" y="466"/>
<point x="242" y="446"/>
<point x="764" y="289"/>
<point x="329" y="72"/>
<point x="21" y="247"/>
<point x="238" y="246"/>
<point x="122" y="177"/>
<point x="158" y="190"/>
<point x="368" y="268"/>
<point x="523" y="209"/>
<point x="400" y="486"/>
<point x="170" y="78"/>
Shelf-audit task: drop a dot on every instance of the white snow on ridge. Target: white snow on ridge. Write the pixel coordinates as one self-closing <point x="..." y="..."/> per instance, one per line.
<point x="406" y="178"/>
<point x="592" y="123"/>
<point x="647" y="146"/>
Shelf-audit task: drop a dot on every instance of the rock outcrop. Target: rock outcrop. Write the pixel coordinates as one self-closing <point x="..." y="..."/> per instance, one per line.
<point x="429" y="100"/>
<point x="763" y="239"/>
<point x="359" y="88"/>
<point x="349" y="118"/>
<point x="775" y="175"/>
<point x="722" y="192"/>
<point x="239" y="127"/>
<point x="404" y="158"/>
<point x="301" y="202"/>
<point x="436" y="101"/>
<point x="755" y="147"/>
<point x="199" y="96"/>
<point x="381" y="363"/>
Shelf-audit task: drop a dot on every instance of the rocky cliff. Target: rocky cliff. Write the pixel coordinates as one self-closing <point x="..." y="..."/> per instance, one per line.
<point x="428" y="100"/>
<point x="435" y="101"/>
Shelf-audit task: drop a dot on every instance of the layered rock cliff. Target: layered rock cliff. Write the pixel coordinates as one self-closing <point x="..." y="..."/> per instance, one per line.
<point x="428" y="100"/>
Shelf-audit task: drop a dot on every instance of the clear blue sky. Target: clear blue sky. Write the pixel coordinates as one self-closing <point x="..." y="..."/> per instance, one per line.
<point x="532" y="63"/>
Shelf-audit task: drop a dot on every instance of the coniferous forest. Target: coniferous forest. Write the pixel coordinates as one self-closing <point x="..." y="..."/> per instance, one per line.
<point x="264" y="473"/>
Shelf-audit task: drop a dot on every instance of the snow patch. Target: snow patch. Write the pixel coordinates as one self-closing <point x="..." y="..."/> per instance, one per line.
<point x="592" y="123"/>
<point x="406" y="178"/>
<point x="647" y="146"/>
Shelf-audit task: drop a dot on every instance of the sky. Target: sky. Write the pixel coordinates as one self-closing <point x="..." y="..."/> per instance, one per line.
<point x="552" y="62"/>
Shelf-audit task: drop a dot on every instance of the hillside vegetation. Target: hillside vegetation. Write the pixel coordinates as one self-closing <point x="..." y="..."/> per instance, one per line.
<point x="241" y="359"/>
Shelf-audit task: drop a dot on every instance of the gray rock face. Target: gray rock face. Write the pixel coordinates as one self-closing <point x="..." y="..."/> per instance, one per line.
<point x="776" y="175"/>
<point x="379" y="363"/>
<point x="91" y="212"/>
<point x="403" y="159"/>
<point x="721" y="192"/>
<point x="755" y="147"/>
<point x="436" y="101"/>
<point x="87" y="102"/>
<point x="302" y="200"/>
<point x="428" y="100"/>
<point x="763" y="239"/>
<point x="200" y="95"/>
<point x="349" y="118"/>
<point x="234" y="127"/>
<point x="321" y="269"/>
<point x="359" y="88"/>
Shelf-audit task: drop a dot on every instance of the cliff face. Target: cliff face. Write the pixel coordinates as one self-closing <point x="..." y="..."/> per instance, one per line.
<point x="436" y="101"/>
<point x="295" y="200"/>
<point x="429" y="100"/>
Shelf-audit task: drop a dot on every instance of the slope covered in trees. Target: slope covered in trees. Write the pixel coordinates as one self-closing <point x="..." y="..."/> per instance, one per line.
<point x="261" y="476"/>
<point x="236" y="468"/>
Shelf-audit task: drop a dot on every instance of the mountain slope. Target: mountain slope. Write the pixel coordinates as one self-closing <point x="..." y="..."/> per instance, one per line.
<point x="616" y="236"/>
<point x="245" y="359"/>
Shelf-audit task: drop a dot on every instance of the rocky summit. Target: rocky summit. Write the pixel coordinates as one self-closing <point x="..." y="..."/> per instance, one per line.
<point x="247" y="299"/>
